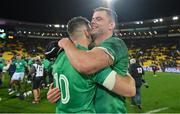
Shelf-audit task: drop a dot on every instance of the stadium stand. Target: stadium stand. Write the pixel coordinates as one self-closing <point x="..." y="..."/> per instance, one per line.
<point x="154" y="41"/>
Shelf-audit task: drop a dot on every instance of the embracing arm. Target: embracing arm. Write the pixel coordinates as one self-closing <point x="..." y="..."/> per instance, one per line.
<point x="121" y="85"/>
<point x="86" y="62"/>
<point x="124" y="86"/>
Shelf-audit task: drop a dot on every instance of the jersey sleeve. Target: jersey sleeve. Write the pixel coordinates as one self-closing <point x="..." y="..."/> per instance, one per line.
<point x="30" y="62"/>
<point x="25" y="63"/>
<point x="106" y="78"/>
<point x="115" y="48"/>
<point x="14" y="62"/>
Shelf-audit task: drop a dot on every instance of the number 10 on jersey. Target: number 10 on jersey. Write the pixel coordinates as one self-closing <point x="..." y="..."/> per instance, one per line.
<point x="63" y="84"/>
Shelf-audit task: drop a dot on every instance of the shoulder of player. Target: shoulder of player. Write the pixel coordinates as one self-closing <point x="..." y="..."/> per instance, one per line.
<point x="114" y="40"/>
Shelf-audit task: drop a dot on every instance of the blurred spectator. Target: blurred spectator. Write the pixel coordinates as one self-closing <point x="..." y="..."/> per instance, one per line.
<point x="36" y="74"/>
<point x="136" y="72"/>
<point x="154" y="69"/>
<point x="18" y="75"/>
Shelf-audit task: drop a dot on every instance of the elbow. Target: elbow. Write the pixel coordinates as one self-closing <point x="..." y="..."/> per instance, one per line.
<point x="132" y="89"/>
<point x="131" y="92"/>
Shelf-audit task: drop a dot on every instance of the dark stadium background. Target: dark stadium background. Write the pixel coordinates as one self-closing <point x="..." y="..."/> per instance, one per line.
<point x="150" y="29"/>
<point x="60" y="11"/>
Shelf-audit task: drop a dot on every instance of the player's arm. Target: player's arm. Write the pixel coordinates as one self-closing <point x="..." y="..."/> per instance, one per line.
<point x="26" y="66"/>
<point x="32" y="70"/>
<point x="124" y="86"/>
<point x="86" y="62"/>
<point x="8" y="63"/>
<point x="121" y="85"/>
<point x="143" y="73"/>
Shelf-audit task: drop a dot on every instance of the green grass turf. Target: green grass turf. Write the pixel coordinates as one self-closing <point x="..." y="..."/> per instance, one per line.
<point x="11" y="103"/>
<point x="164" y="91"/>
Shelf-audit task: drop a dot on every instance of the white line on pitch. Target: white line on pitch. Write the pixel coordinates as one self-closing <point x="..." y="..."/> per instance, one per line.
<point x="157" y="110"/>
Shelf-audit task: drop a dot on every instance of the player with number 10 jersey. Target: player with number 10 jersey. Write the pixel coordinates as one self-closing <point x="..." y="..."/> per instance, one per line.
<point x="77" y="91"/>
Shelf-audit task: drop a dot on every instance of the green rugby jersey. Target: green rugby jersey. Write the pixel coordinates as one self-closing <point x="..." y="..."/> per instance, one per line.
<point x="107" y="101"/>
<point x="30" y="62"/>
<point x="1" y="66"/>
<point x="20" y="65"/>
<point x="2" y="60"/>
<point x="77" y="91"/>
<point x="46" y="64"/>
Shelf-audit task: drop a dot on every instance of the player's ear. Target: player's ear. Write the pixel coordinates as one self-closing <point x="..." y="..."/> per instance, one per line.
<point x="86" y="33"/>
<point x="112" y="25"/>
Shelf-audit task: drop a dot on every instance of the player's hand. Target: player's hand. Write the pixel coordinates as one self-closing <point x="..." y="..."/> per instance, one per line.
<point x="65" y="42"/>
<point x="53" y="94"/>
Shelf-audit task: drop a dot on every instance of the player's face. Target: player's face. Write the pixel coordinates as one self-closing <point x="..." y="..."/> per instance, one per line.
<point x="18" y="57"/>
<point x="100" y="23"/>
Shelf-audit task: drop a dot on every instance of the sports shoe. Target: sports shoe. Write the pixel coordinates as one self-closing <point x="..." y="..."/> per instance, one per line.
<point x="9" y="90"/>
<point x="10" y="93"/>
<point x="35" y="102"/>
<point x="139" y="106"/>
<point x="132" y="105"/>
<point x="147" y="86"/>
<point x="17" y="94"/>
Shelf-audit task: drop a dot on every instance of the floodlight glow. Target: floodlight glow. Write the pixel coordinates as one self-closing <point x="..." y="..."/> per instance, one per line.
<point x="62" y="26"/>
<point x="150" y="33"/>
<point x="1" y="30"/>
<point x="155" y="32"/>
<point x="156" y="20"/>
<point x="161" y="20"/>
<point x="108" y="1"/>
<point x="57" y="26"/>
<point x="175" y="18"/>
<point x="137" y="22"/>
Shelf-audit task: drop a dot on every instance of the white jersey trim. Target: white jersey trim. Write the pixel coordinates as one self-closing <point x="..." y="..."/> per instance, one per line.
<point x="110" y="80"/>
<point x="106" y="51"/>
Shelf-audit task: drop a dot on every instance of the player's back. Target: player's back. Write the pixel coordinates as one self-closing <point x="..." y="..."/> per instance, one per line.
<point x="77" y="91"/>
